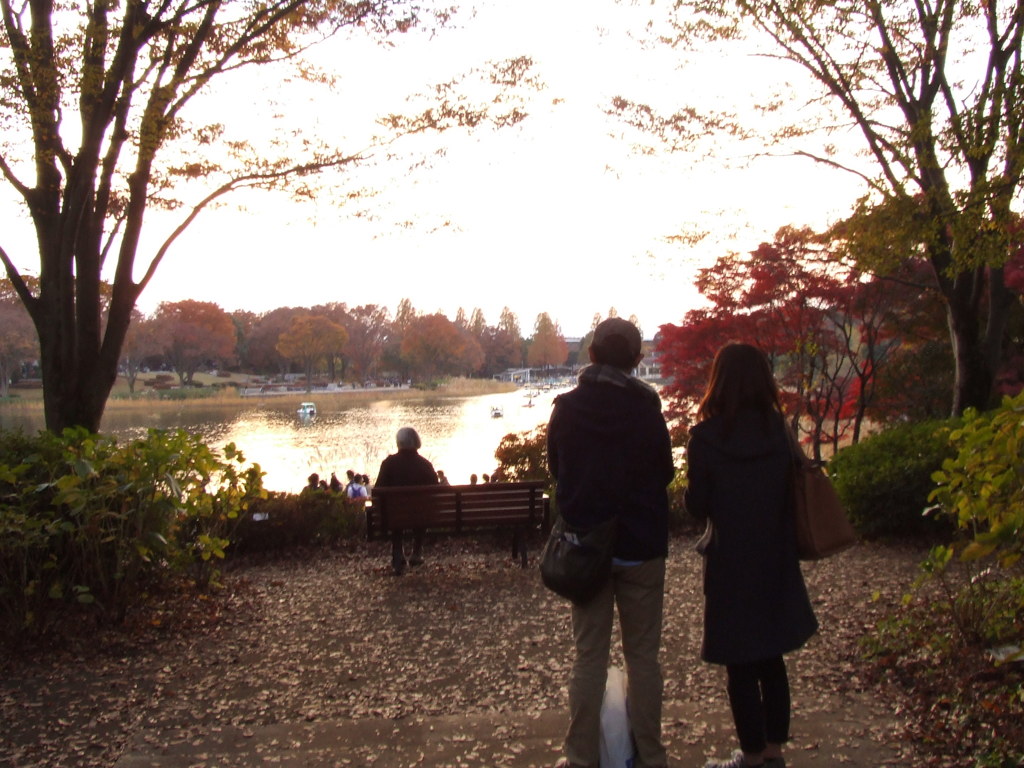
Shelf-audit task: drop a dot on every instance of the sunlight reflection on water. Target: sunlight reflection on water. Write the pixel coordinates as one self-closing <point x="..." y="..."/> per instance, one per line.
<point x="459" y="435"/>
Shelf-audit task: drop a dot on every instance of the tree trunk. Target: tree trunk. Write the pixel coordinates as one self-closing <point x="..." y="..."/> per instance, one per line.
<point x="74" y="393"/>
<point x="971" y="300"/>
<point x="78" y="371"/>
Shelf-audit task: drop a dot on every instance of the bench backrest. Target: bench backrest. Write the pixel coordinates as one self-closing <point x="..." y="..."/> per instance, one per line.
<point x="455" y="507"/>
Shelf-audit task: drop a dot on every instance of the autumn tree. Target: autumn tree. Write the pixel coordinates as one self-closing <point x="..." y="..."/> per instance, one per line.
<point x="93" y="100"/>
<point x="140" y="343"/>
<point x="433" y="345"/>
<point x="933" y="92"/>
<point x="245" y="323"/>
<point x="827" y="332"/>
<point x="502" y="350"/>
<point x="337" y="313"/>
<point x="547" y="347"/>
<point x="368" y="329"/>
<point x="312" y="339"/>
<point x="508" y="328"/>
<point x="477" y="322"/>
<point x="261" y="346"/>
<point x="18" y="341"/>
<point x="393" y="358"/>
<point x="192" y="334"/>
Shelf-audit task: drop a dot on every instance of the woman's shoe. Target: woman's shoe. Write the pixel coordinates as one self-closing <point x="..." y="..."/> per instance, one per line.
<point x="737" y="761"/>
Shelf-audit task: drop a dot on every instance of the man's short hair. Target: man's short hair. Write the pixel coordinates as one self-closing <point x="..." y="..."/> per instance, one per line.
<point x="407" y="438"/>
<point x="616" y="342"/>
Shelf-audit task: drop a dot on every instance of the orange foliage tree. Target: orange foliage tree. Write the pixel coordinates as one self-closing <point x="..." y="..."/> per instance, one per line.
<point x="548" y="345"/>
<point x="312" y="339"/>
<point x="193" y="334"/>
<point x="435" y="346"/>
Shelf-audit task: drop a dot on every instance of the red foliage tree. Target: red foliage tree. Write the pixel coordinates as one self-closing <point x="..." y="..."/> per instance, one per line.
<point x="193" y="334"/>
<point x="825" y="328"/>
<point x="433" y="345"/>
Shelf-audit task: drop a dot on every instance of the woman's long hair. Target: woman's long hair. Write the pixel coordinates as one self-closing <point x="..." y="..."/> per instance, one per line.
<point x="741" y="379"/>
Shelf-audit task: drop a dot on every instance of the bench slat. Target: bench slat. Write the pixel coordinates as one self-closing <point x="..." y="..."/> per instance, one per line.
<point x="457" y="508"/>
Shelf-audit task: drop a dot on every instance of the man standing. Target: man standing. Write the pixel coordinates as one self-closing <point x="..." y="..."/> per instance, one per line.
<point x="610" y="455"/>
<point x="406" y="467"/>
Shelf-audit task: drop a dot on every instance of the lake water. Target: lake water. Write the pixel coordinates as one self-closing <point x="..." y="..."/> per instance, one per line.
<point x="459" y="434"/>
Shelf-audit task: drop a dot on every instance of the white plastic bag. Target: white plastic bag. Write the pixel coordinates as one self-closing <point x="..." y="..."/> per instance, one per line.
<point x="616" y="738"/>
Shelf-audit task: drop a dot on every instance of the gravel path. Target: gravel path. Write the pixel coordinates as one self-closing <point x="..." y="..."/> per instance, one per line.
<point x="334" y="635"/>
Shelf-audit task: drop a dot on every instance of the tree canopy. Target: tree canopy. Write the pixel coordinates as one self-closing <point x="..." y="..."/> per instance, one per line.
<point x="548" y="345"/>
<point x="934" y="95"/>
<point x="192" y="334"/>
<point x="95" y="132"/>
<point x="828" y="331"/>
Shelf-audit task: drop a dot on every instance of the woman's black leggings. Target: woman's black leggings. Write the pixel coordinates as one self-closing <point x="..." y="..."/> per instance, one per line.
<point x="759" y="698"/>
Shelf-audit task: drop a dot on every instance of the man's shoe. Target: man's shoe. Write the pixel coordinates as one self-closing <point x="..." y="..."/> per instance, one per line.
<point x="737" y="761"/>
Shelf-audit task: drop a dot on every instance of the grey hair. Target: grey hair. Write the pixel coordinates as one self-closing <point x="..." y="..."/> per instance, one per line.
<point x="408" y="438"/>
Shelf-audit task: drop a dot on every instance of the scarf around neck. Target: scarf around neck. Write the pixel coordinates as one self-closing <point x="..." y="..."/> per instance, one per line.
<point x="599" y="373"/>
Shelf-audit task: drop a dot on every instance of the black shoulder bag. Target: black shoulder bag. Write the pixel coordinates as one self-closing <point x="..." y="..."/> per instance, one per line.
<point x="577" y="562"/>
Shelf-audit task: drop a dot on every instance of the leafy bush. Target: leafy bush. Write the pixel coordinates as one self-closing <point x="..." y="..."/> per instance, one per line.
<point x="194" y="392"/>
<point x="679" y="520"/>
<point x="885" y="480"/>
<point x="88" y="523"/>
<point x="524" y="456"/>
<point x="981" y="491"/>
<point x="285" y="520"/>
<point x="982" y="487"/>
<point x="952" y="642"/>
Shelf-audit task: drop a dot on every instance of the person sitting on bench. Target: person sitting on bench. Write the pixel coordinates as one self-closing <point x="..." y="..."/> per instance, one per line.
<point x="406" y="467"/>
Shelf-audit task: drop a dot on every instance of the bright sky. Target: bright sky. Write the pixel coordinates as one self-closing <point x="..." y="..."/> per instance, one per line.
<point x="555" y="215"/>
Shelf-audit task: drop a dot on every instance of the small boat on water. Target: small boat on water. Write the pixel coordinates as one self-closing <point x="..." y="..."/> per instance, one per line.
<point x="306" y="410"/>
<point x="496" y="412"/>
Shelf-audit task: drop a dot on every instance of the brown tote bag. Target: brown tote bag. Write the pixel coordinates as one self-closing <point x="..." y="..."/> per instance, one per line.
<point x="821" y="525"/>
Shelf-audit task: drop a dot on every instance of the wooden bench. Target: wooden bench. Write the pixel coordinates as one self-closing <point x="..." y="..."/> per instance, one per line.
<point x="460" y="508"/>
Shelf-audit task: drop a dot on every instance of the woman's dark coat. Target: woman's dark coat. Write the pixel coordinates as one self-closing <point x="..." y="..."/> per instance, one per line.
<point x="756" y="605"/>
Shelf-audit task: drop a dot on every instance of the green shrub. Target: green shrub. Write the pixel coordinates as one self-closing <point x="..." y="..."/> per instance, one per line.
<point x="313" y="517"/>
<point x="679" y="520"/>
<point x="981" y="488"/>
<point x="885" y="480"/>
<point x="88" y="524"/>
<point x="952" y="643"/>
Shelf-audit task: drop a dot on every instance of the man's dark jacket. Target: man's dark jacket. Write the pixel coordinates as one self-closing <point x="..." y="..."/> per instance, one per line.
<point x="406" y="467"/>
<point x="609" y="451"/>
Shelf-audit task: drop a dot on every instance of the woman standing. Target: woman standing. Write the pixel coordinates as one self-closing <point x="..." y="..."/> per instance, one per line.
<point x="755" y="603"/>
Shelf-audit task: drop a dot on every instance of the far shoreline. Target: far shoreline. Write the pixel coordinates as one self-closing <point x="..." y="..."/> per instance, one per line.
<point x="30" y="404"/>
